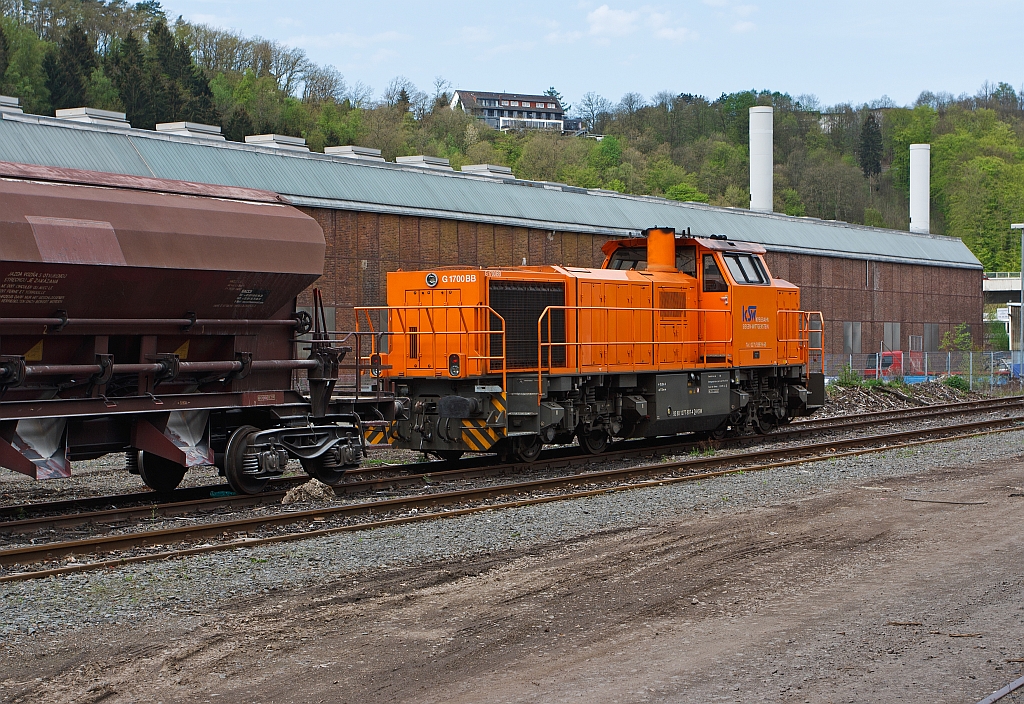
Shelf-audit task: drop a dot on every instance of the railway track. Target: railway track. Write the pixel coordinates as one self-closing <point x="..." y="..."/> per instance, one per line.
<point x="146" y="505"/>
<point x="235" y="533"/>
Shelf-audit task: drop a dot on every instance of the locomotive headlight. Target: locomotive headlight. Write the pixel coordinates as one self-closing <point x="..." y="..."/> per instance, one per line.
<point x="454" y="365"/>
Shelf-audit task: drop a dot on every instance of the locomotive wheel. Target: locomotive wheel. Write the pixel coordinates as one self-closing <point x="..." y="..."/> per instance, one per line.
<point x="766" y="424"/>
<point x="450" y="455"/>
<point x="595" y="442"/>
<point x="331" y="476"/>
<point x="234" y="457"/>
<point x="527" y="449"/>
<point x="159" y="474"/>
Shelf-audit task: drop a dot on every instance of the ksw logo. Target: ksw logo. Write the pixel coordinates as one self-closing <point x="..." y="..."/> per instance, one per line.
<point x="749" y="314"/>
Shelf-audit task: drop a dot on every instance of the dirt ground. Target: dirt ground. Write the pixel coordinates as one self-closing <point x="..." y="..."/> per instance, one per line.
<point x="858" y="595"/>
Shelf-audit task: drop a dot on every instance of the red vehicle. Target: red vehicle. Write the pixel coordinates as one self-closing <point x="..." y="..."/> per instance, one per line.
<point x="890" y="364"/>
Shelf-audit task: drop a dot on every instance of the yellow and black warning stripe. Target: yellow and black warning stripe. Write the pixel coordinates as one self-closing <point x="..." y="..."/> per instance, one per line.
<point x="377" y="435"/>
<point x="498" y="401"/>
<point x="477" y="436"/>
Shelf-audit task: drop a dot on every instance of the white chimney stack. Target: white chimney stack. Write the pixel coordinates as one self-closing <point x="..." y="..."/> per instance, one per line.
<point x="761" y="159"/>
<point x="920" y="188"/>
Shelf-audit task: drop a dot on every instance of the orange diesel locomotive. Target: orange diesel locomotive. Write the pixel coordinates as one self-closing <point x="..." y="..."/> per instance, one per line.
<point x="671" y="335"/>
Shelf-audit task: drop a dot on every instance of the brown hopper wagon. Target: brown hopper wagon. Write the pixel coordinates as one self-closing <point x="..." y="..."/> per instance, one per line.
<point x="158" y="318"/>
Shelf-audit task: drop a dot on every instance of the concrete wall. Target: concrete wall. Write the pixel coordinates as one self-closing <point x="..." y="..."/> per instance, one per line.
<point x="363" y="247"/>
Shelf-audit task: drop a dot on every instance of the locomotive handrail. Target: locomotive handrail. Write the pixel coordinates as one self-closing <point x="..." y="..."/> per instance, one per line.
<point x="805" y="329"/>
<point x="486" y="334"/>
<point x="607" y="344"/>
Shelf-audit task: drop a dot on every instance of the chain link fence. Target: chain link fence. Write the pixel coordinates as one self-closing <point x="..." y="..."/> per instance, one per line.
<point x="981" y="371"/>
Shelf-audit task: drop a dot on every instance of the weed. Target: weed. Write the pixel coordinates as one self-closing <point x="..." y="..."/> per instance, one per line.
<point x="957" y="382"/>
<point x="848" y="377"/>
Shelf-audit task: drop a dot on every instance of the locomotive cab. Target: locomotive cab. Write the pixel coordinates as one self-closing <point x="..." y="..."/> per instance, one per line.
<point x="671" y="335"/>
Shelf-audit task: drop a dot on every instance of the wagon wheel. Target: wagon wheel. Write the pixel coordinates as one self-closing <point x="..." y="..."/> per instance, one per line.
<point x="160" y="474"/>
<point x="720" y="432"/>
<point x="331" y="476"/>
<point x="527" y="449"/>
<point x="234" y="462"/>
<point x="595" y="442"/>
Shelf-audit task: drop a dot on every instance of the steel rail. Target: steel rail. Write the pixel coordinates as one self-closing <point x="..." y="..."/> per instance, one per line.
<point x="413" y="474"/>
<point x="1003" y="691"/>
<point x="829" y="450"/>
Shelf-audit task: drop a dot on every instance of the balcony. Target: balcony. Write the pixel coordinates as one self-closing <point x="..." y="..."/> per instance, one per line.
<point x="518" y="123"/>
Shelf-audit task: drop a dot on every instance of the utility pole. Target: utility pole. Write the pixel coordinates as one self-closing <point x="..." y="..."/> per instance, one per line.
<point x="1020" y="311"/>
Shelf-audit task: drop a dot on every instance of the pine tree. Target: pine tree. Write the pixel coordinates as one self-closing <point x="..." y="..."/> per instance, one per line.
<point x="130" y="73"/>
<point x="870" y="147"/>
<point x="552" y="93"/>
<point x="5" y="53"/>
<point x="184" y="88"/>
<point x="238" y="125"/>
<point x="69" y="69"/>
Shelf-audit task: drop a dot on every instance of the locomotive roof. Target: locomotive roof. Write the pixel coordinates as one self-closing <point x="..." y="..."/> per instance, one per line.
<point x="329" y="181"/>
<point x="706" y="242"/>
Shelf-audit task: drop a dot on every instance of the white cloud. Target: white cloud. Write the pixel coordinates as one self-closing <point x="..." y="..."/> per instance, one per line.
<point x="744" y="10"/>
<point x="661" y="24"/>
<point x="741" y="27"/>
<point x="675" y="34"/>
<point x="606" y="22"/>
<point x="560" y="37"/>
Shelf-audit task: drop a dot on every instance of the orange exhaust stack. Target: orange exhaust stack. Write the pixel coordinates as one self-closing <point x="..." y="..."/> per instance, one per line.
<point x="661" y="249"/>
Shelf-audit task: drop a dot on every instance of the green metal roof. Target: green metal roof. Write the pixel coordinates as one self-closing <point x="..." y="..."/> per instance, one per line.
<point x="327" y="181"/>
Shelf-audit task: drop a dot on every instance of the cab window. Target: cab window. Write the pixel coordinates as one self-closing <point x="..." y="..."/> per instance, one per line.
<point x="746" y="269"/>
<point x="686" y="260"/>
<point x="713" y="279"/>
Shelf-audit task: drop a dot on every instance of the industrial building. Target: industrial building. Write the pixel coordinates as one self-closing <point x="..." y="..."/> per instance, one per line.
<point x="874" y="287"/>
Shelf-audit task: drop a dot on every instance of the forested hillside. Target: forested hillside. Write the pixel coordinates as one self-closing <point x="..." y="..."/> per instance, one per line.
<point x="841" y="162"/>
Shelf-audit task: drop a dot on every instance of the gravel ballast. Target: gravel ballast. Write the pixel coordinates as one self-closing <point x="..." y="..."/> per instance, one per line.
<point x="191" y="587"/>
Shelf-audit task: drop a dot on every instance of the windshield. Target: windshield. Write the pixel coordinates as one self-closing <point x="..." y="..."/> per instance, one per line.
<point x="746" y="269"/>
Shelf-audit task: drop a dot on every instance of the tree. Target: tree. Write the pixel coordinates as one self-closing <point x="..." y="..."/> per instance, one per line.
<point x="686" y="192"/>
<point x="68" y="69"/>
<point x="957" y="340"/>
<point x="130" y="72"/>
<point x="870" y="155"/>
<point x="5" y="53"/>
<point x="239" y="125"/>
<point x="593" y="109"/>
<point x="180" y="88"/>
<point x="552" y="93"/>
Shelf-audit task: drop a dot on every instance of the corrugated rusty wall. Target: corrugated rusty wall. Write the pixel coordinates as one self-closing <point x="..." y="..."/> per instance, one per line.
<point x="363" y="247"/>
<point x="875" y="293"/>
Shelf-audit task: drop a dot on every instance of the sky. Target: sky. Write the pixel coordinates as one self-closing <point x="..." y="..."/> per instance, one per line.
<point x="839" y="51"/>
